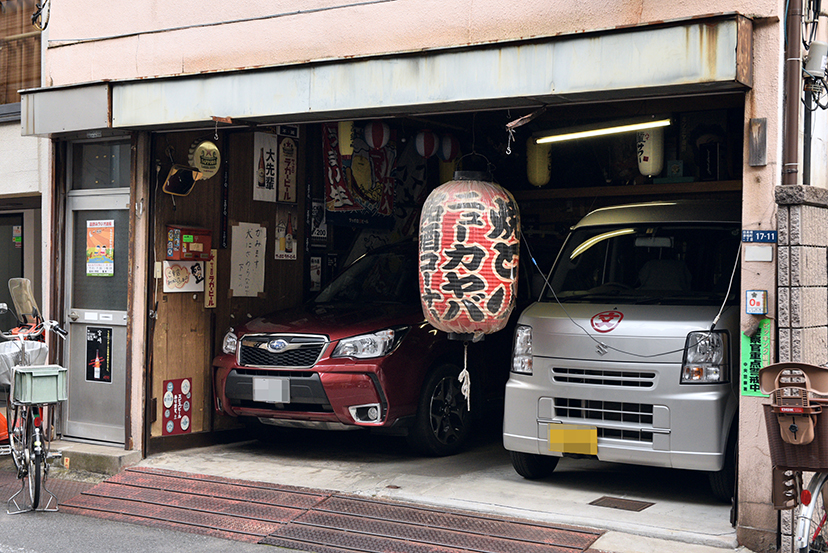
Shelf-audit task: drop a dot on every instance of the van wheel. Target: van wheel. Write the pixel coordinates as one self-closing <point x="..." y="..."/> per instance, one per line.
<point x="531" y="466"/>
<point x="723" y="482"/>
<point x="443" y="423"/>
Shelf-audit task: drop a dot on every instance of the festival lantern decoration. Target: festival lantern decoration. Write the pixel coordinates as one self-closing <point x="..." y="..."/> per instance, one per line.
<point x="538" y="169"/>
<point x="345" y="132"/>
<point x="449" y="147"/>
<point x="427" y="144"/>
<point x="469" y="251"/>
<point x="377" y="134"/>
<point x="650" y="147"/>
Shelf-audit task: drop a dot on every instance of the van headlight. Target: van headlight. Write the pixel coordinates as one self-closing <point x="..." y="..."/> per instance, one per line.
<point x="522" y="350"/>
<point x="369" y="346"/>
<point x="230" y="342"/>
<point x="706" y="358"/>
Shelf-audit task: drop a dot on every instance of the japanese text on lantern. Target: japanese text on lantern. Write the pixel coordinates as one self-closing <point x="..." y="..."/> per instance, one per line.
<point x="468" y="258"/>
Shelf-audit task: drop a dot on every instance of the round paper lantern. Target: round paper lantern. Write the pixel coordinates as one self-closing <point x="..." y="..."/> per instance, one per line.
<point x="346" y="138"/>
<point x="538" y="169"/>
<point x="650" y="146"/>
<point x="469" y="232"/>
<point x="377" y="134"/>
<point x="449" y="147"/>
<point x="427" y="144"/>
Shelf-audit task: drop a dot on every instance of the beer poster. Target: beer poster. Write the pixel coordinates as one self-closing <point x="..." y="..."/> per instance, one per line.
<point x="98" y="354"/>
<point x="265" y="160"/>
<point x="100" y="248"/>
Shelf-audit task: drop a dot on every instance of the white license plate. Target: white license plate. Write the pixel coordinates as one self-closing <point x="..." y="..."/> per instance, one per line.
<point x="271" y="389"/>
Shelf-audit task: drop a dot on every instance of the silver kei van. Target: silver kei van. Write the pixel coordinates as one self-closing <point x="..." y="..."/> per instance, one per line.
<point x="630" y="354"/>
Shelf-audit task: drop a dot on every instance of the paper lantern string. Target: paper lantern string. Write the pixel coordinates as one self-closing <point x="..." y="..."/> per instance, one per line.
<point x="465" y="377"/>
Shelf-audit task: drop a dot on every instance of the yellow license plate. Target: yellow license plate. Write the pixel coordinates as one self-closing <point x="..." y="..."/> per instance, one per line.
<point x="572" y="438"/>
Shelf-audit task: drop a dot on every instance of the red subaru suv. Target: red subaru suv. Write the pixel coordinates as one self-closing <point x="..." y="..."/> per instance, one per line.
<point x="361" y="354"/>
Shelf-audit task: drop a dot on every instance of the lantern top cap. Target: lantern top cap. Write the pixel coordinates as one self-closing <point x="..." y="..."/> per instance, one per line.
<point x="474" y="175"/>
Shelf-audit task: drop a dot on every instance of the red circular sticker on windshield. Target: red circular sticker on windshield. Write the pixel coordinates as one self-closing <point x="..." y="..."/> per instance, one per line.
<point x="606" y="320"/>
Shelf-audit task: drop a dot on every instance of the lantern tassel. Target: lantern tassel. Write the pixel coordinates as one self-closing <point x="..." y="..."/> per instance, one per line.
<point x="465" y="377"/>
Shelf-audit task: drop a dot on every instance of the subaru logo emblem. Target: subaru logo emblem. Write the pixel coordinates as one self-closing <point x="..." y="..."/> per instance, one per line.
<point x="277" y="345"/>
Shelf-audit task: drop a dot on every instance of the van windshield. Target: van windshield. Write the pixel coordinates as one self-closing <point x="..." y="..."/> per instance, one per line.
<point x="674" y="264"/>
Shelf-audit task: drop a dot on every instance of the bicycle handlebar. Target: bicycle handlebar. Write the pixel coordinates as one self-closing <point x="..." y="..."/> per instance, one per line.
<point x="36" y="330"/>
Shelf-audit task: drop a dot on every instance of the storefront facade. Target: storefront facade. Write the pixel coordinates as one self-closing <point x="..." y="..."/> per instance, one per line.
<point x="471" y="73"/>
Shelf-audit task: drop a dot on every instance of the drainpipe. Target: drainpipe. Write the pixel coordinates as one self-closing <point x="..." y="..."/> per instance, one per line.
<point x="793" y="86"/>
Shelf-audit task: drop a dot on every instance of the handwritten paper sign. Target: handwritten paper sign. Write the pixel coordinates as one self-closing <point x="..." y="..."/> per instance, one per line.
<point x="247" y="259"/>
<point x="183" y="276"/>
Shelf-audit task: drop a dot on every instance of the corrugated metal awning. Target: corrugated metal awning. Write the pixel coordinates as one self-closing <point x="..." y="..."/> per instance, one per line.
<point x="670" y="58"/>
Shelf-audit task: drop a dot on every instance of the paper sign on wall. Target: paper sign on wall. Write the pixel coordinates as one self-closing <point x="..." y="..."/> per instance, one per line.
<point x="247" y="259"/>
<point x="100" y="248"/>
<point x="178" y="407"/>
<point x="183" y="276"/>
<point x="755" y="355"/>
<point x="98" y="354"/>
<point x="210" y="281"/>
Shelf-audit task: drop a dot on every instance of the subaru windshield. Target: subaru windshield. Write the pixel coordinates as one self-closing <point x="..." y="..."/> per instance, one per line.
<point x="386" y="276"/>
<point x="662" y="263"/>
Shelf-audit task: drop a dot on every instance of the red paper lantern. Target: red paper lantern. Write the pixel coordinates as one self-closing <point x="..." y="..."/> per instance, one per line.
<point x="427" y="144"/>
<point x="449" y="147"/>
<point x="377" y="134"/>
<point x="469" y="252"/>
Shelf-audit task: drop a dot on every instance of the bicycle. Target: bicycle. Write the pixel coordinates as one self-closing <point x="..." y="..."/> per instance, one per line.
<point x="798" y="442"/>
<point x="32" y="391"/>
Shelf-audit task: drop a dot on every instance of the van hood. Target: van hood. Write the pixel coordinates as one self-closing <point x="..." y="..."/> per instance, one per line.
<point x="631" y="333"/>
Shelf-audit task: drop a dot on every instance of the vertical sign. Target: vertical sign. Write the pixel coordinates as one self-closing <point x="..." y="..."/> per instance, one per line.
<point x="287" y="170"/>
<point x="265" y="148"/>
<point x="100" y="248"/>
<point x="177" y="406"/>
<point x="17" y="236"/>
<point x="315" y="273"/>
<point x="755" y="355"/>
<point x="210" y="281"/>
<point x="287" y="222"/>
<point x="247" y="259"/>
<point x="98" y="354"/>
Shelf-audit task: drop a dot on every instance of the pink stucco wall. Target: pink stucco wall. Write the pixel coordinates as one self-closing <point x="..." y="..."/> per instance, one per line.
<point x="90" y="41"/>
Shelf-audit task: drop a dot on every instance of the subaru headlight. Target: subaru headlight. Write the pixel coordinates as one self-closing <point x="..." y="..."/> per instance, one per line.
<point x="370" y="346"/>
<point x="706" y="358"/>
<point x="230" y="342"/>
<point x="522" y="350"/>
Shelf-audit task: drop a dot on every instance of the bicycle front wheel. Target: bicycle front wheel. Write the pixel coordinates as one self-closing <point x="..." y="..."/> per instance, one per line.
<point x="812" y="518"/>
<point x="35" y="464"/>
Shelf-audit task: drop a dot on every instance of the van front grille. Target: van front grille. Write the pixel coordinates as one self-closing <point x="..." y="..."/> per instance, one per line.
<point x="598" y="377"/>
<point x="595" y="411"/>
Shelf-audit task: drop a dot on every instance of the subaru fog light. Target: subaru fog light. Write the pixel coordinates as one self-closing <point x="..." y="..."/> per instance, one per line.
<point x="705" y="358"/>
<point x="522" y="350"/>
<point x="230" y="342"/>
<point x="366" y="413"/>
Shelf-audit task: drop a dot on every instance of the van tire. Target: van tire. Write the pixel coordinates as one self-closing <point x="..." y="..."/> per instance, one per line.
<point x="533" y="467"/>
<point x="723" y="482"/>
<point x="443" y="423"/>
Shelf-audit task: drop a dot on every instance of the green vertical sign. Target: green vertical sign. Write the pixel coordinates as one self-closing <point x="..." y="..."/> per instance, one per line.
<point x="755" y="355"/>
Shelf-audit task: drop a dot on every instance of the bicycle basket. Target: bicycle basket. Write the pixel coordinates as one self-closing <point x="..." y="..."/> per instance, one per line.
<point x="12" y="354"/>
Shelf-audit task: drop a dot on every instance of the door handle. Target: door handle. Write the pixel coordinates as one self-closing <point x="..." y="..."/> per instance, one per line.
<point x="74" y="316"/>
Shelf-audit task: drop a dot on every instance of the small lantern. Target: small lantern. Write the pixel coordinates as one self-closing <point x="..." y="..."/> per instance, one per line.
<point x="449" y="147"/>
<point x="377" y="134"/>
<point x="650" y="146"/>
<point x="427" y="144"/>
<point x="538" y="170"/>
<point x="469" y="232"/>
<point x="346" y="138"/>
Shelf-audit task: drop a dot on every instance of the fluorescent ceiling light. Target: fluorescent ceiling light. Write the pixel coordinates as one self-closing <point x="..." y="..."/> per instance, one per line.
<point x="571" y="134"/>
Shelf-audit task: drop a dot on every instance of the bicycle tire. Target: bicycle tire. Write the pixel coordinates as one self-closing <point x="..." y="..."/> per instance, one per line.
<point x="811" y="520"/>
<point x="35" y="464"/>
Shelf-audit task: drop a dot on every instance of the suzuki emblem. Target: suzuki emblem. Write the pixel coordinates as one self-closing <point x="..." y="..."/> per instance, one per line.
<point x="277" y="345"/>
<point x="606" y="321"/>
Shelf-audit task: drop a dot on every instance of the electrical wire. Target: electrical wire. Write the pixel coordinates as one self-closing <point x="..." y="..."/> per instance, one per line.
<point x="604" y="347"/>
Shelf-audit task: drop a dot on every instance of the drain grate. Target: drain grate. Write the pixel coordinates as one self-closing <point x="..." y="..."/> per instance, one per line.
<point x="313" y="520"/>
<point x="621" y="503"/>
